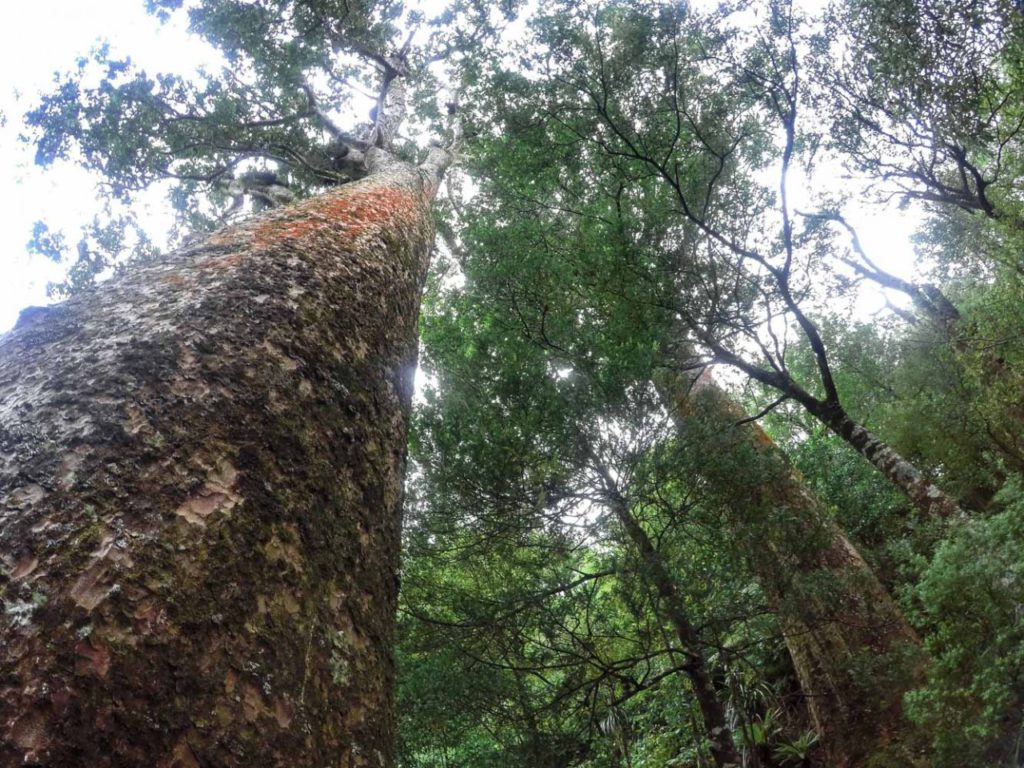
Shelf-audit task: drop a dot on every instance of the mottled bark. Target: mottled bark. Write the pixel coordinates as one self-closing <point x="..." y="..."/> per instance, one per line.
<point x="926" y="496"/>
<point x="201" y="472"/>
<point x="716" y="726"/>
<point x="854" y="653"/>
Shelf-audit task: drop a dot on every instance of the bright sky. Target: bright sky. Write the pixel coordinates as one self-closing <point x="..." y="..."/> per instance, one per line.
<point x="43" y="36"/>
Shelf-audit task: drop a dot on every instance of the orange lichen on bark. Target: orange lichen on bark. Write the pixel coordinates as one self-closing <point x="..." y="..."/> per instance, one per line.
<point x="760" y="436"/>
<point x="185" y="507"/>
<point x="356" y="211"/>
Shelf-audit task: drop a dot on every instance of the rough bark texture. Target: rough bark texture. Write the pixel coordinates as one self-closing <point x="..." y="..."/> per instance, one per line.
<point x="854" y="653"/>
<point x="201" y="467"/>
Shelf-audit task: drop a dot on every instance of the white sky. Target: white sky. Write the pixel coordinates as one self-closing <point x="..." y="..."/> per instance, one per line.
<point x="39" y="38"/>
<point x="43" y="36"/>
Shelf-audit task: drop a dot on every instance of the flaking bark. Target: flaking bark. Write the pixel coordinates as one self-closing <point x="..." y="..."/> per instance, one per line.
<point x="201" y="473"/>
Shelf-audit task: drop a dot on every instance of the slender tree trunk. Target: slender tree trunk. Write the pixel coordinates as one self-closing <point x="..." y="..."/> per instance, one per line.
<point x="932" y="304"/>
<point x="924" y="495"/>
<point x="201" y="472"/>
<point x="716" y="727"/>
<point x="853" y="652"/>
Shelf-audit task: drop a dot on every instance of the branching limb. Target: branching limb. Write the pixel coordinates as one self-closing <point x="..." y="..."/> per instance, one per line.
<point x="928" y="299"/>
<point x="764" y="411"/>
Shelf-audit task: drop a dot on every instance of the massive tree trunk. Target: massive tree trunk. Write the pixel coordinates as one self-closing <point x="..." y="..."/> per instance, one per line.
<point x="853" y="652"/>
<point x="201" y="469"/>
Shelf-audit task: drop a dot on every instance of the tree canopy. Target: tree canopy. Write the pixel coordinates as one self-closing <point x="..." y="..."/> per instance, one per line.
<point x="659" y="450"/>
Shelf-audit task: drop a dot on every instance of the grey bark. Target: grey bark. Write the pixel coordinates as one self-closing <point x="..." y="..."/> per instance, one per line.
<point x="925" y="495"/>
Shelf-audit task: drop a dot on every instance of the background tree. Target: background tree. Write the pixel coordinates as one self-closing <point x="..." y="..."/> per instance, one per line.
<point x="571" y="254"/>
<point x="561" y="125"/>
<point x="926" y="99"/>
<point x="608" y="564"/>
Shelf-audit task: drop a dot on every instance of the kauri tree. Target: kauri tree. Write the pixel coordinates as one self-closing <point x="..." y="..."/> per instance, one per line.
<point x="203" y="457"/>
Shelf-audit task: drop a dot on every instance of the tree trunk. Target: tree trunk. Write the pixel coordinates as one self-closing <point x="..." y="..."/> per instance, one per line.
<point x="926" y="496"/>
<point x="716" y="727"/>
<point x="853" y="652"/>
<point x="201" y="473"/>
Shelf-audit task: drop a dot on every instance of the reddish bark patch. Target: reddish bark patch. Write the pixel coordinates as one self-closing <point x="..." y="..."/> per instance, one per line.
<point x="252" y="703"/>
<point x="356" y="212"/>
<point x="89" y="590"/>
<point x="175" y="280"/>
<point x="220" y="263"/>
<point x="24" y="568"/>
<point x="91" y="660"/>
<point x="282" y="713"/>
<point x="181" y="757"/>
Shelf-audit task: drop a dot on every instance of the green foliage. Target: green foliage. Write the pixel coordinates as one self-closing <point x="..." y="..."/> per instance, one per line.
<point x="970" y="597"/>
<point x="797" y="752"/>
<point x="288" y="98"/>
<point x="619" y="202"/>
<point x="927" y="98"/>
<point x="113" y="234"/>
